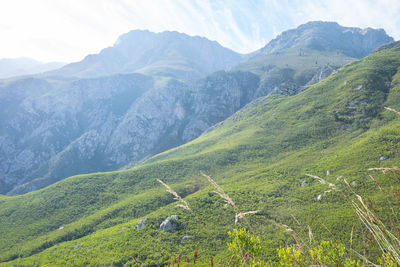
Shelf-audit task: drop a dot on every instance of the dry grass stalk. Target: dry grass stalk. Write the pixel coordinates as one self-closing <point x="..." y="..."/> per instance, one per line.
<point x="393" y="110"/>
<point x="351" y="236"/>
<point x="310" y="235"/>
<point x="377" y="184"/>
<point x="386" y="241"/>
<point x="211" y="261"/>
<point x="322" y="181"/>
<point x="245" y="257"/>
<point x="134" y="257"/>
<point x="179" y="257"/>
<point x="220" y="191"/>
<point x="241" y="215"/>
<point x="183" y="204"/>
<point x="229" y="201"/>
<point x="394" y="193"/>
<point x="394" y="226"/>
<point x="383" y="237"/>
<point x="195" y="255"/>
<point x="291" y="233"/>
<point x="385" y="170"/>
<point x="231" y="259"/>
<point x="294" y="218"/>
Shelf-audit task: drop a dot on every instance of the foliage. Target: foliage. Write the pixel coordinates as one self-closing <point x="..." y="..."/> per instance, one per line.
<point x="244" y="245"/>
<point x="290" y="256"/>
<point x="259" y="157"/>
<point x="327" y="253"/>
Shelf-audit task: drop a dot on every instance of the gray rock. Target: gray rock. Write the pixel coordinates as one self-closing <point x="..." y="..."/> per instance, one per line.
<point x="170" y="224"/>
<point x="140" y="224"/>
<point x="383" y="158"/>
<point x="358" y="88"/>
<point x="303" y="184"/>
<point x="353" y="183"/>
<point x="77" y="246"/>
<point x="322" y="73"/>
<point x="185" y="238"/>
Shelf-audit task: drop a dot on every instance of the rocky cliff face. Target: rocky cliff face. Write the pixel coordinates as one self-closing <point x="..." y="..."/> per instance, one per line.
<point x="54" y="126"/>
<point x="104" y="123"/>
<point x="41" y="124"/>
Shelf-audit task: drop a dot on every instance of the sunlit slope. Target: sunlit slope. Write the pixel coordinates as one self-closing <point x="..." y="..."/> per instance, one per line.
<point x="260" y="156"/>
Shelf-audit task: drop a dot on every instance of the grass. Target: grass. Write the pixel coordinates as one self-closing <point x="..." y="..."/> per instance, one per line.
<point x="259" y="157"/>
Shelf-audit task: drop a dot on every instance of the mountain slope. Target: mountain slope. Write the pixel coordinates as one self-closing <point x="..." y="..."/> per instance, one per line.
<point x="74" y="126"/>
<point x="319" y="35"/>
<point x="102" y="124"/>
<point x="169" y="54"/>
<point x="311" y="52"/>
<point x="260" y="156"/>
<point x="11" y="67"/>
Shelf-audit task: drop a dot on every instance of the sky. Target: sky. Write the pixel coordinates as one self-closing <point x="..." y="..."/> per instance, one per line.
<point x="68" y="30"/>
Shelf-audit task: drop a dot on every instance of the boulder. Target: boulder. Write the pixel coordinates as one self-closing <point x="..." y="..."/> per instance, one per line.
<point x="140" y="224"/>
<point x="170" y="224"/>
<point x="383" y="158"/>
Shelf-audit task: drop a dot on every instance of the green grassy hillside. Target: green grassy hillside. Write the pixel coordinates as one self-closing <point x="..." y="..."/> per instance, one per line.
<point x="260" y="156"/>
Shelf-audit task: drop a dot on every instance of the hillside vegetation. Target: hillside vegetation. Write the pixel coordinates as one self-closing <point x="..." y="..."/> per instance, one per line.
<point x="260" y="156"/>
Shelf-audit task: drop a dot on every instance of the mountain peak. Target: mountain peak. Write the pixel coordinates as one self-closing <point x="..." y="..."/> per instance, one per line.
<point x="167" y="53"/>
<point x="324" y="35"/>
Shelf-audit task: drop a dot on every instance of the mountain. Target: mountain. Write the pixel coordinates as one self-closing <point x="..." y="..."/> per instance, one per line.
<point x="322" y="36"/>
<point x="104" y="123"/>
<point x="311" y="52"/>
<point x="58" y="126"/>
<point x="167" y="53"/>
<point x="11" y="67"/>
<point x="336" y="129"/>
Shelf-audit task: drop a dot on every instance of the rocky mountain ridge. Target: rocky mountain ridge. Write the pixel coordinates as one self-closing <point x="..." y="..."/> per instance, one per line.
<point x="319" y="35"/>
<point x="171" y="54"/>
<point x="57" y="125"/>
<point x="104" y="123"/>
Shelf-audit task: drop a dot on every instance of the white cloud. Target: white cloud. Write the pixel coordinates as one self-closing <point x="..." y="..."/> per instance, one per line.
<point x="63" y="30"/>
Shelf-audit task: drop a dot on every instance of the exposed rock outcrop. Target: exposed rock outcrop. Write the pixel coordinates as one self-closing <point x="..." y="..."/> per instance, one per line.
<point x="170" y="224"/>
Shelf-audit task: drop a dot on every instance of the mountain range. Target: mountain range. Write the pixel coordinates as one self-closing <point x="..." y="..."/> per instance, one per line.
<point x="12" y="67"/>
<point x="56" y="124"/>
<point x="263" y="125"/>
<point x="171" y="54"/>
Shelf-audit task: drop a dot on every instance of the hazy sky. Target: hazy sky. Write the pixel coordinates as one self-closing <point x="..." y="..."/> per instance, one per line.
<point x="67" y="30"/>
